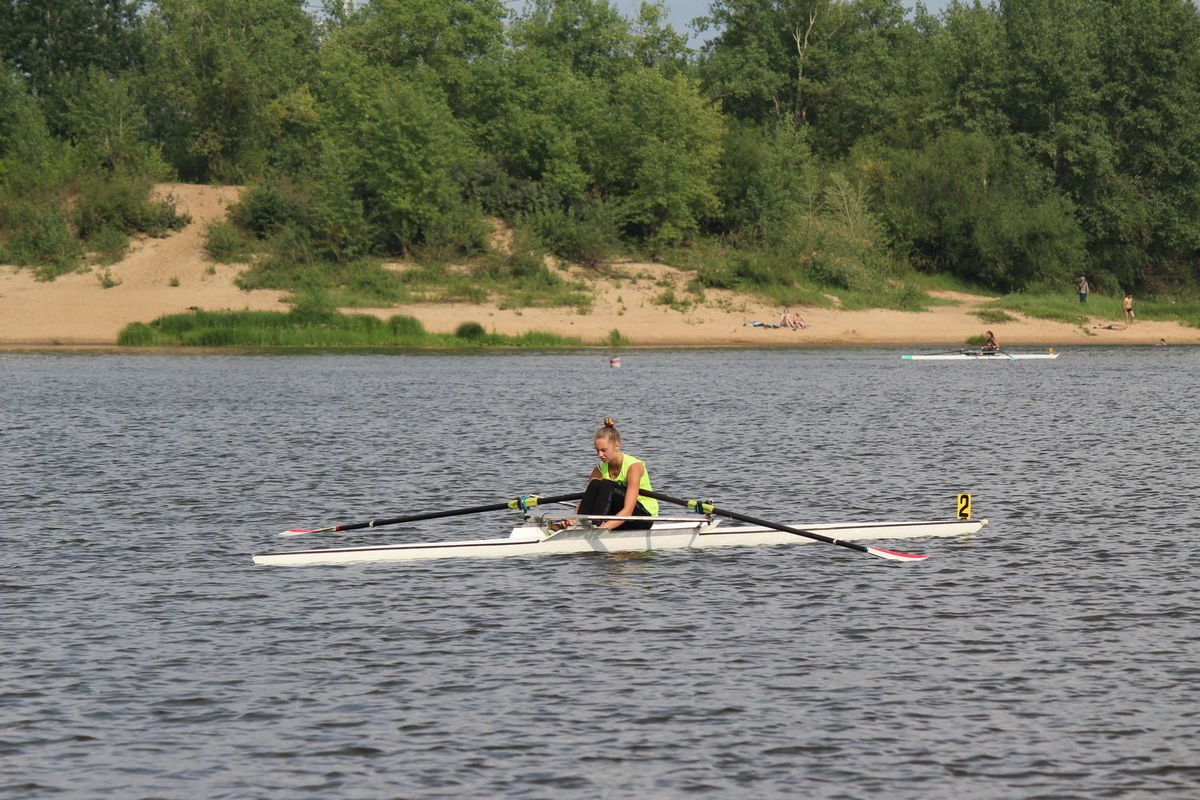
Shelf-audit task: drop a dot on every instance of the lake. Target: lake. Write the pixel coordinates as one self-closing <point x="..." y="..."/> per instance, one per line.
<point x="1055" y="655"/>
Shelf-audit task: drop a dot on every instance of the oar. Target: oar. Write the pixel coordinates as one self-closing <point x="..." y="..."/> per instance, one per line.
<point x="524" y="502"/>
<point x="700" y="506"/>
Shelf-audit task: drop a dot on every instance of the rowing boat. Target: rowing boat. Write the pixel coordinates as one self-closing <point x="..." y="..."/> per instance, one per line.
<point x="982" y="355"/>
<point x="533" y="537"/>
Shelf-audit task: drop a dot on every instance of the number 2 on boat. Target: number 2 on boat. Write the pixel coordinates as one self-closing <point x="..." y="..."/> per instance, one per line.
<point x="964" y="506"/>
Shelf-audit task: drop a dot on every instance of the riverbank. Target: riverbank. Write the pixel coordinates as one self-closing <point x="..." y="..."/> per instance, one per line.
<point x="173" y="276"/>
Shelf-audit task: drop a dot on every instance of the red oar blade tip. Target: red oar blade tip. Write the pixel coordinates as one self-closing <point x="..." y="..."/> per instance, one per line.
<point x="297" y="531"/>
<point x="892" y="555"/>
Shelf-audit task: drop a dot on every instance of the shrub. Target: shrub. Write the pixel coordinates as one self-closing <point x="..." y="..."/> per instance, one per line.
<point x="406" y="327"/>
<point x="124" y="204"/>
<point x="41" y="238"/>
<point x="110" y="244"/>
<point x="136" y="334"/>
<point x="471" y="331"/>
<point x="106" y="279"/>
<point x="264" y="210"/>
<point x="587" y="235"/>
<point x="224" y="242"/>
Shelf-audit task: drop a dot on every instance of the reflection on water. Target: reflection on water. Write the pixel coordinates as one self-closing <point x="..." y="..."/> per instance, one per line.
<point x="142" y="654"/>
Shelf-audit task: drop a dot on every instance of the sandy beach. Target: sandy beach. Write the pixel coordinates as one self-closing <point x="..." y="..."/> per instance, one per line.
<point x="172" y="275"/>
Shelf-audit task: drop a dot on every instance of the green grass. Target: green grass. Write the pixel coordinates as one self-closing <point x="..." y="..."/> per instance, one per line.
<point x="993" y="316"/>
<point x="309" y="326"/>
<point x="367" y="283"/>
<point x="1054" y="304"/>
<point x="786" y="279"/>
<point x="1056" y="307"/>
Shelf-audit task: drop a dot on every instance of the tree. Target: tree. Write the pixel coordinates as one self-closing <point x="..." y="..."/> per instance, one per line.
<point x="452" y="39"/>
<point x="53" y="42"/>
<point x="767" y="179"/>
<point x="825" y="64"/>
<point x="213" y="68"/>
<point x="982" y="208"/>
<point x="108" y="126"/>
<point x="588" y="36"/>
<point x="543" y="123"/>
<point x="660" y="155"/>
<point x="393" y="137"/>
<point x="1142" y="207"/>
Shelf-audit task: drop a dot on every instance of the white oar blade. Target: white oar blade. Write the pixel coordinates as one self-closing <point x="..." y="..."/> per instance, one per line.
<point x="893" y="555"/>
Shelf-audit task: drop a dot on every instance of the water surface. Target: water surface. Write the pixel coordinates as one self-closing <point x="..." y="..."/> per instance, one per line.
<point x="143" y="655"/>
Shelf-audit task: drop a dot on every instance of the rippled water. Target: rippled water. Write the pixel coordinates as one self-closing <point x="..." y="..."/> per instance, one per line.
<point x="1053" y="655"/>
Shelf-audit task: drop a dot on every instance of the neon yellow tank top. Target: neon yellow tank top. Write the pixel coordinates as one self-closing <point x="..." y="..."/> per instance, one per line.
<point x="648" y="503"/>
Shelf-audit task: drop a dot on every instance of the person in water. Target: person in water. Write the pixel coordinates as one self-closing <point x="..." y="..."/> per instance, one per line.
<point x="614" y="485"/>
<point x="991" y="344"/>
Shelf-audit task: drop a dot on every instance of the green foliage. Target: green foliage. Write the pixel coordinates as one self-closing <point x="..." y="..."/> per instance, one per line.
<point x="587" y="37"/>
<point x="39" y="236"/>
<point x="993" y="316"/>
<point x="521" y="278"/>
<point x="106" y="279"/>
<point x="57" y="43"/>
<point x="123" y="203"/>
<point x="616" y="339"/>
<point x="979" y="207"/>
<point x="546" y="137"/>
<point x="586" y="234"/>
<point x="311" y="325"/>
<point x="264" y="209"/>
<point x="767" y="179"/>
<point x="109" y="244"/>
<point x="454" y="40"/>
<point x="137" y="334"/>
<point x="397" y="142"/>
<point x="823" y="147"/>
<point x="1058" y="306"/>
<point x="31" y="160"/>
<point x="471" y="331"/>
<point x="215" y="73"/>
<point x="224" y="242"/>
<point x="107" y="124"/>
<point x="661" y="156"/>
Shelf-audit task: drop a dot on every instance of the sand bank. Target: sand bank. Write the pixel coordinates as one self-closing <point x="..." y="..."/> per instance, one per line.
<point x="173" y="275"/>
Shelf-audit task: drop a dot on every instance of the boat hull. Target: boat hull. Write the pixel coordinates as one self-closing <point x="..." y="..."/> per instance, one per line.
<point x="981" y="357"/>
<point x="532" y="540"/>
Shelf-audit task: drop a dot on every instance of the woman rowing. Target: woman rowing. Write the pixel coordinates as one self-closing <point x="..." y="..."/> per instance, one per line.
<point x="991" y="345"/>
<point x="613" y="487"/>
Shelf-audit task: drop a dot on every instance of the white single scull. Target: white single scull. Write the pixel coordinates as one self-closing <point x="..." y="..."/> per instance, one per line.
<point x="534" y="538"/>
<point x="982" y="355"/>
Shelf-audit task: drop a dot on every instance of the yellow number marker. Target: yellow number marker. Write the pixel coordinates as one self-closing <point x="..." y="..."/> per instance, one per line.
<point x="964" y="506"/>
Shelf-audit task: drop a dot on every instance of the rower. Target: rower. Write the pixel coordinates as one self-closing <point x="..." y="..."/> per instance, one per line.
<point x="991" y="345"/>
<point x="614" y="484"/>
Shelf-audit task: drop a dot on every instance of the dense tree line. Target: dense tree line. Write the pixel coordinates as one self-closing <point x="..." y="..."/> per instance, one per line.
<point x="1015" y="143"/>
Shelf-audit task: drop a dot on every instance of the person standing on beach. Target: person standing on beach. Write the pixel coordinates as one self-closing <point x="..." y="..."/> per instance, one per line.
<point x="1128" y="309"/>
<point x="1083" y="289"/>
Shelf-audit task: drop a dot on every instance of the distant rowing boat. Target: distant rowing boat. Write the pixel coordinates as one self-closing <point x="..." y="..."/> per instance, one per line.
<point x="982" y="355"/>
<point x="534" y="538"/>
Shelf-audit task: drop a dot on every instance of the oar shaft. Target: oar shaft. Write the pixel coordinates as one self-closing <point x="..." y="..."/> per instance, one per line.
<point x="519" y="502"/>
<point x="707" y="508"/>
